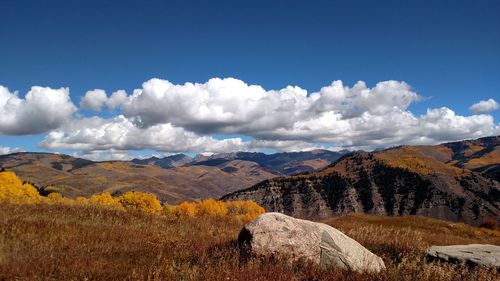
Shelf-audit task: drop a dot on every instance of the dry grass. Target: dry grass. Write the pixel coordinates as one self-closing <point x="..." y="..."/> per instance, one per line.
<point x="42" y="242"/>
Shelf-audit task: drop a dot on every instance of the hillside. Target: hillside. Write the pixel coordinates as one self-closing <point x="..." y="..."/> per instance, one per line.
<point x="173" y="178"/>
<point x="452" y="181"/>
<point x="88" y="243"/>
<point x="74" y="177"/>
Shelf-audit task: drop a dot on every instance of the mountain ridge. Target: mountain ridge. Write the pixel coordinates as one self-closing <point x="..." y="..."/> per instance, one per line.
<point x="287" y="163"/>
<point x="405" y="180"/>
<point x="173" y="179"/>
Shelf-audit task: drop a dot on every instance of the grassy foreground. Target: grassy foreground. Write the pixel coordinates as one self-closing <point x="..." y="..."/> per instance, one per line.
<point x="57" y="242"/>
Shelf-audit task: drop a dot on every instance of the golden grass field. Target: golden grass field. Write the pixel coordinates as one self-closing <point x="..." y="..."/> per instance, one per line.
<point x="58" y="242"/>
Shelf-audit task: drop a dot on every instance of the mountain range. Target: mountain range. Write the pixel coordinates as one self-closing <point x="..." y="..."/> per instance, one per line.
<point x="456" y="181"/>
<point x="278" y="163"/>
<point x="173" y="179"/>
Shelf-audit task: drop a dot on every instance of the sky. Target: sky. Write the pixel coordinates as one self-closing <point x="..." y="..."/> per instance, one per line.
<point x="121" y="79"/>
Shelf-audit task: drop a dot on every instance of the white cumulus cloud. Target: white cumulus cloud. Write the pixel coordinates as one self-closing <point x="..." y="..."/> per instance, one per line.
<point x="117" y="99"/>
<point x="484" y="106"/>
<point x="227" y="106"/>
<point x="230" y="106"/>
<point x="94" y="100"/>
<point x="175" y="118"/>
<point x="119" y="133"/>
<point x="41" y="110"/>
<point x="171" y="118"/>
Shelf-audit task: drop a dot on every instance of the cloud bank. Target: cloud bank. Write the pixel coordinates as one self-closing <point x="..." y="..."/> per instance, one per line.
<point x="170" y="118"/>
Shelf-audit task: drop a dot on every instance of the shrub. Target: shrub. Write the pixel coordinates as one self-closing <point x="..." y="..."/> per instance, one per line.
<point x="105" y="200"/>
<point x="82" y="201"/>
<point x="13" y="191"/>
<point x="140" y="201"/>
<point x="211" y="207"/>
<point x="244" y="210"/>
<point x="185" y="209"/>
<point x="57" y="198"/>
<point x="241" y="211"/>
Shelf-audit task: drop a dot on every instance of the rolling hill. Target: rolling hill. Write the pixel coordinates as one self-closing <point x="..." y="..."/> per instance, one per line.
<point x="74" y="177"/>
<point x="454" y="181"/>
<point x="173" y="178"/>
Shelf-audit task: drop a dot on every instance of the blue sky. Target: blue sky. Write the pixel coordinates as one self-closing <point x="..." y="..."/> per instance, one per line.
<point x="447" y="51"/>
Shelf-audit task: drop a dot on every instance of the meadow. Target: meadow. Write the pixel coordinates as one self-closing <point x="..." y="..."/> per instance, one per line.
<point x="57" y="238"/>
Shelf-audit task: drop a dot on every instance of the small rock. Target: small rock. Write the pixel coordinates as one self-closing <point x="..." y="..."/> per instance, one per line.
<point x="275" y="234"/>
<point x="475" y="254"/>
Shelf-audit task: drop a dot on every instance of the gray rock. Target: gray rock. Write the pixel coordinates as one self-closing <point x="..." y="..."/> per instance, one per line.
<point x="476" y="254"/>
<point x="275" y="234"/>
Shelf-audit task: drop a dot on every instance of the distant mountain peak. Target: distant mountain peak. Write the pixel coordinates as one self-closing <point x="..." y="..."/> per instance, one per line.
<point x="170" y="161"/>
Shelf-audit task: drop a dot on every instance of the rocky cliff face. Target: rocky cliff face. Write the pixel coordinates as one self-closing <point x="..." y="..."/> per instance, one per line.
<point x="401" y="181"/>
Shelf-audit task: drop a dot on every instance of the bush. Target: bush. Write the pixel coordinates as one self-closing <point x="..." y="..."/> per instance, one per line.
<point x="105" y="200"/>
<point x="82" y="201"/>
<point x="141" y="201"/>
<point x="211" y="207"/>
<point x="13" y="191"/>
<point x="241" y="211"/>
<point x="185" y="209"/>
<point x="57" y="198"/>
<point x="244" y="210"/>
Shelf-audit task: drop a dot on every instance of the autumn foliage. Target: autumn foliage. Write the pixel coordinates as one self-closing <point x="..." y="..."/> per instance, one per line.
<point x="13" y="191"/>
<point x="140" y="201"/>
<point x="104" y="199"/>
<point x="57" y="198"/>
<point x="185" y="209"/>
<point x="238" y="210"/>
<point x="244" y="210"/>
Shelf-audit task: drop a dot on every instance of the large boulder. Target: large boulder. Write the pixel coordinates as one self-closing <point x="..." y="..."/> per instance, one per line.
<point x="275" y="234"/>
<point x="474" y="254"/>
